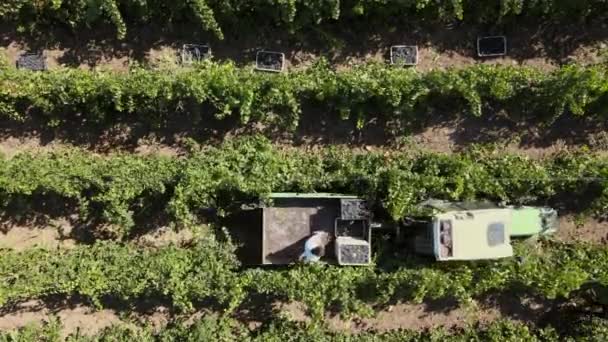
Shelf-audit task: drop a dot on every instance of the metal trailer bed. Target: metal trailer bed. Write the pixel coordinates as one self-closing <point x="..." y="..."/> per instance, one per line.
<point x="275" y="232"/>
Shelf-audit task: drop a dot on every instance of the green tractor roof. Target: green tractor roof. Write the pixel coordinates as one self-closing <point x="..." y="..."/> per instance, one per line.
<point x="525" y="221"/>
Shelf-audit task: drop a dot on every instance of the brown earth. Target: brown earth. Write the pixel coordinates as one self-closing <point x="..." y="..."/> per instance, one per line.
<point x="20" y="238"/>
<point x="586" y="230"/>
<point x="450" y="136"/>
<point x="58" y="234"/>
<point x="73" y="318"/>
<point x="77" y="316"/>
<point x="61" y="234"/>
<point x="428" y="315"/>
<point x="542" y="45"/>
<point x="448" y="314"/>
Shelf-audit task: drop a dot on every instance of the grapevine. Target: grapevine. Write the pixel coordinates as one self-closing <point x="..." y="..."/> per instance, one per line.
<point x="118" y="187"/>
<point x="209" y="270"/>
<point x="225" y="329"/>
<point x="216" y="91"/>
<point x="294" y="15"/>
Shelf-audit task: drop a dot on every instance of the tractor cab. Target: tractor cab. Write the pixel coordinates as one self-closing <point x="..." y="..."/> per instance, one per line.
<point x="472" y="231"/>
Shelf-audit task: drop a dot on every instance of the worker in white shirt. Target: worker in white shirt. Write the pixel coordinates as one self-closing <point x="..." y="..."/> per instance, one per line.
<point x="314" y="247"/>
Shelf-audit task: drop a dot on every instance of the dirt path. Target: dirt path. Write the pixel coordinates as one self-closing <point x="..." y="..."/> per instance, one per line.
<point x="586" y="230"/>
<point x="448" y="137"/>
<point x="58" y="235"/>
<point x="402" y="316"/>
<point x="74" y="318"/>
<point x="429" y="315"/>
<point x="19" y="237"/>
<point x="528" y="43"/>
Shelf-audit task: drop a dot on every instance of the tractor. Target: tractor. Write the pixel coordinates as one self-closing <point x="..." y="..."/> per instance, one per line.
<point x="286" y="228"/>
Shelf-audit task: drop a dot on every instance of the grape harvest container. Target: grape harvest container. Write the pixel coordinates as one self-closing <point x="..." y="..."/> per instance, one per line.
<point x="404" y="54"/>
<point x="491" y="46"/>
<point x="195" y="53"/>
<point x="270" y="61"/>
<point x="32" y="61"/>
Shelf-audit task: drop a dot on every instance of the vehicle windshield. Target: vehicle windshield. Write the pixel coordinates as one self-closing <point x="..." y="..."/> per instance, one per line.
<point x="446" y="245"/>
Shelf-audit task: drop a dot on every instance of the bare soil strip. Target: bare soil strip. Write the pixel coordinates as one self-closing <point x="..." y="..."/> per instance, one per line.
<point x="59" y="235"/>
<point x="428" y="315"/>
<point x="542" y="45"/>
<point x="447" y="137"/>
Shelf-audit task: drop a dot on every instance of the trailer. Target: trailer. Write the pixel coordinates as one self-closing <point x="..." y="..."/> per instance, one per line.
<point x="287" y="228"/>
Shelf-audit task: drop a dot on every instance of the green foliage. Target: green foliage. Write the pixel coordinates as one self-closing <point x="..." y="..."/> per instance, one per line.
<point x="212" y="91"/>
<point x="4" y="63"/>
<point x="556" y="271"/>
<point x="208" y="271"/>
<point x="247" y="168"/>
<point x="48" y="332"/>
<point x="116" y="189"/>
<point x="589" y="328"/>
<point x="224" y="329"/>
<point x="113" y="187"/>
<point x="301" y="284"/>
<point x="205" y="271"/>
<point x="294" y="15"/>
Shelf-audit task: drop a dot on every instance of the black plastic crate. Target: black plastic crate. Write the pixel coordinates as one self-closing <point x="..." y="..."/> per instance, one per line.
<point x="32" y="61"/>
<point x="491" y="46"/>
<point x="195" y="53"/>
<point x="354" y="209"/>
<point x="270" y="61"/>
<point x="404" y="54"/>
<point x="353" y="252"/>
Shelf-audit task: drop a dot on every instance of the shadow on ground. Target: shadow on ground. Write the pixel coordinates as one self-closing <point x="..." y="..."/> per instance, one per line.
<point x="438" y="130"/>
<point x="527" y="40"/>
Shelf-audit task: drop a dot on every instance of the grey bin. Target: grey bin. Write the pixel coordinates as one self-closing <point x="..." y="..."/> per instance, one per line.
<point x="352" y="251"/>
<point x="195" y="53"/>
<point x="404" y="54"/>
<point x="270" y="61"/>
<point x="354" y="209"/>
<point x="352" y="245"/>
<point x="32" y="61"/>
<point x="491" y="46"/>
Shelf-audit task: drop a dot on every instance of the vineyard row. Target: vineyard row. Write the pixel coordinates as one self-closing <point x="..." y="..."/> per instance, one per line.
<point x="211" y="92"/>
<point x="212" y="328"/>
<point x="207" y="272"/>
<point x="215" y="16"/>
<point x="127" y="190"/>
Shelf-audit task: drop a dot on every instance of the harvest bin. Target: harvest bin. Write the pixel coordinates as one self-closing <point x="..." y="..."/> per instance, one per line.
<point x="491" y="46"/>
<point x="33" y="61"/>
<point x="275" y="232"/>
<point x="352" y="246"/>
<point x="195" y="53"/>
<point x="270" y="61"/>
<point x="404" y="54"/>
